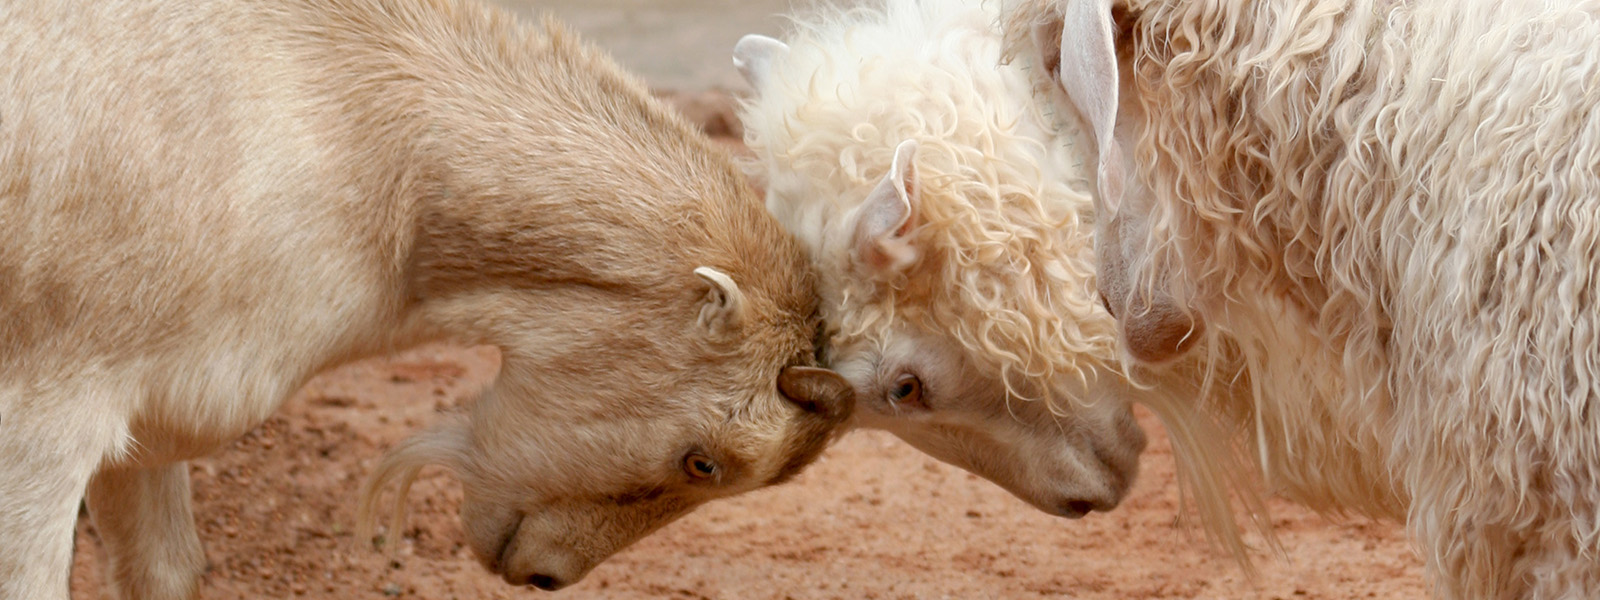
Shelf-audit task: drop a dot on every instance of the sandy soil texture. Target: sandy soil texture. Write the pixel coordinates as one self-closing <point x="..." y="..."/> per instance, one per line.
<point x="872" y="519"/>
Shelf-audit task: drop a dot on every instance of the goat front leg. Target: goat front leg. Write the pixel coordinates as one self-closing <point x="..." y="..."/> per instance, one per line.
<point x="47" y="454"/>
<point x="146" y="524"/>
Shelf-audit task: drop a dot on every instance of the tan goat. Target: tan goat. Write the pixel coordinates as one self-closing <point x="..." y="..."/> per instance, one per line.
<point x="204" y="204"/>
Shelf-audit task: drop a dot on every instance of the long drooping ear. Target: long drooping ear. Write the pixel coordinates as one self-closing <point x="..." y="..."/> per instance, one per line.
<point x="753" y="56"/>
<point x="1085" y="40"/>
<point x="723" y="305"/>
<point x="887" y="216"/>
<point x="818" y="391"/>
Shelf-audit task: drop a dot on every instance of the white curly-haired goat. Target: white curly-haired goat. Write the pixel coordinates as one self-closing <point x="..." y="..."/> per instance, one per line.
<point x="944" y="212"/>
<point x="1394" y="209"/>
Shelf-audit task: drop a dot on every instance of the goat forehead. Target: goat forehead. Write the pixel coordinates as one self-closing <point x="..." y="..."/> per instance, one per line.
<point x="878" y="333"/>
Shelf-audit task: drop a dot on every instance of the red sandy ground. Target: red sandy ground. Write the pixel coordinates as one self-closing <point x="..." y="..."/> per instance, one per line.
<point x="872" y="518"/>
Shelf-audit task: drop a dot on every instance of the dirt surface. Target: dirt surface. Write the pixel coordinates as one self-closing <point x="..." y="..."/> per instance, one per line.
<point x="872" y="519"/>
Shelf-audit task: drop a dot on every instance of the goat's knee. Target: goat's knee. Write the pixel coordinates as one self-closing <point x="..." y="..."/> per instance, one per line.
<point x="146" y="524"/>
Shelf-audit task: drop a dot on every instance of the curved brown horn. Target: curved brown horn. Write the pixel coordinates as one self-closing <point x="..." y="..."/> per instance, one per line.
<point x="819" y="391"/>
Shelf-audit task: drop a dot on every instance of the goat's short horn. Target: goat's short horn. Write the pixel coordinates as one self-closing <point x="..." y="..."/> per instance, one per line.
<point x="817" y="390"/>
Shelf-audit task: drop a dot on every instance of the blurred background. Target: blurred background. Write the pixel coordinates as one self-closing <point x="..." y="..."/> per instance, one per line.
<point x="675" y="44"/>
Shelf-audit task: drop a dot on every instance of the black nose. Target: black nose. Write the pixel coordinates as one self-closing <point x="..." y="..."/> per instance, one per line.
<point x="544" y="582"/>
<point x="1076" y="509"/>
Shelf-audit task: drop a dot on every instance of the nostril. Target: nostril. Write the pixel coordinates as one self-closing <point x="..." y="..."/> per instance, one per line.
<point x="544" y="582"/>
<point x="1106" y="302"/>
<point x="1075" y="509"/>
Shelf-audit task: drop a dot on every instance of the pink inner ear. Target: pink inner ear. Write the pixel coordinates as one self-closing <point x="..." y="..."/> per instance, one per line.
<point x="888" y="215"/>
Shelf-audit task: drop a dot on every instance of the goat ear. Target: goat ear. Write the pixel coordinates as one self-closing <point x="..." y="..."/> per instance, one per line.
<point x="1082" y="49"/>
<point x="753" y="56"/>
<point x="886" y="217"/>
<point x="723" y="305"/>
<point x="818" y="391"/>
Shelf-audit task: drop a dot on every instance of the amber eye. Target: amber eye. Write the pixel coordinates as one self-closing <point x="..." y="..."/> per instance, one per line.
<point x="699" y="466"/>
<point x="907" y="390"/>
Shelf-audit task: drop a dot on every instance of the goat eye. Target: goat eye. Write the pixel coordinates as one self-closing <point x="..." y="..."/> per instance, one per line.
<point x="907" y="390"/>
<point x="699" y="466"/>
